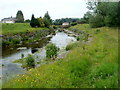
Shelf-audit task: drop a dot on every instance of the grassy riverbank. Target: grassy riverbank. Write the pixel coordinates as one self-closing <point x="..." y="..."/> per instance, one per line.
<point x="91" y="64"/>
<point x="13" y="28"/>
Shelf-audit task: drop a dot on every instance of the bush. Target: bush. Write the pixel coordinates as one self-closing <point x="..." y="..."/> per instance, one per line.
<point x="73" y="23"/>
<point x="96" y="21"/>
<point x="15" y="41"/>
<point x="30" y="61"/>
<point x="51" y="50"/>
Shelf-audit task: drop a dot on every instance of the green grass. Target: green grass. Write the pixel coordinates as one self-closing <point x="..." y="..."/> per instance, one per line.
<point x="13" y="28"/>
<point x="94" y="66"/>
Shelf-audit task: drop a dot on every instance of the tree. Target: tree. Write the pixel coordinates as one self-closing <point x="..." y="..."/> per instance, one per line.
<point x="87" y="16"/>
<point x="47" y="19"/>
<point x="34" y="22"/>
<point x="46" y="22"/>
<point x="19" y="17"/>
<point x="41" y="23"/>
<point x="96" y="21"/>
<point x="105" y="13"/>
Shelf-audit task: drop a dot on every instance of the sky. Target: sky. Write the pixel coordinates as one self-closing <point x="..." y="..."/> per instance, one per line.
<point x="56" y="8"/>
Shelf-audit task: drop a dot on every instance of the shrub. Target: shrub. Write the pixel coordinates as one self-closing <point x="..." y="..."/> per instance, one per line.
<point x="30" y="61"/>
<point x="96" y="21"/>
<point x="51" y="50"/>
<point x="22" y="55"/>
<point x="73" y="23"/>
<point x="55" y="27"/>
<point x="15" y="41"/>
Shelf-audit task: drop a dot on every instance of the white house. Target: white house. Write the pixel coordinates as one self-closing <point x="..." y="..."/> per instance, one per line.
<point x="9" y="20"/>
<point x="65" y="24"/>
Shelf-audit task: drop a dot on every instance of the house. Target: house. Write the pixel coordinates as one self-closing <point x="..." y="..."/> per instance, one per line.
<point x="65" y="24"/>
<point x="9" y="20"/>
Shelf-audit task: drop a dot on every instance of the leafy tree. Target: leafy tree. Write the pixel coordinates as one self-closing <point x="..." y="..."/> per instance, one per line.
<point x="19" y="17"/>
<point x="46" y="22"/>
<point x="48" y="17"/>
<point x="87" y="16"/>
<point x="105" y="13"/>
<point x="41" y="23"/>
<point x="96" y="21"/>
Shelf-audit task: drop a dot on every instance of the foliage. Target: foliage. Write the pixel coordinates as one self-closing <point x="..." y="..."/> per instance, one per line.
<point x="41" y="23"/>
<point x="96" y="21"/>
<point x="30" y="61"/>
<point x="46" y="22"/>
<point x="51" y="50"/>
<point x="107" y="11"/>
<point x="34" y="22"/>
<point x="48" y="17"/>
<point x="19" y="17"/>
<point x="22" y="55"/>
<point x="74" y="23"/>
<point x="27" y="21"/>
<point x="62" y="20"/>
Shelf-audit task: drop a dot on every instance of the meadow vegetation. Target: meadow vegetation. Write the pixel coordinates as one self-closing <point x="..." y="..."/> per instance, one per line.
<point x="89" y="64"/>
<point x="13" y="28"/>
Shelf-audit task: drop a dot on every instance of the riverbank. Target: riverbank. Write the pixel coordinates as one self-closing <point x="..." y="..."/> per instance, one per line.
<point x="14" y="28"/>
<point x="91" y="64"/>
<point x="19" y="34"/>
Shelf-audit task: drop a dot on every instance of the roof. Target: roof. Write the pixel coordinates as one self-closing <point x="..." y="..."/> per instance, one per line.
<point x="9" y="19"/>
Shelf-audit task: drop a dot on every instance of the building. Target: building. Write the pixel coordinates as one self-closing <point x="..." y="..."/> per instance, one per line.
<point x="65" y="24"/>
<point x="9" y="20"/>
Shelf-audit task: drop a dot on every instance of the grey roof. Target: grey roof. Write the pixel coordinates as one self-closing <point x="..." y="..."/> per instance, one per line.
<point x="9" y="19"/>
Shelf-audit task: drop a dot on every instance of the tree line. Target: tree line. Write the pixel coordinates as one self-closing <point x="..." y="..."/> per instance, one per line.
<point x="46" y="21"/>
<point x="102" y="14"/>
<point x="62" y="20"/>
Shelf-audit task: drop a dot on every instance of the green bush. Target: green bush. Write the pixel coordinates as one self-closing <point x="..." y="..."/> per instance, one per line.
<point x="30" y="61"/>
<point x="96" y="21"/>
<point x="15" y="41"/>
<point x="73" y="23"/>
<point x="22" y="55"/>
<point x="51" y="50"/>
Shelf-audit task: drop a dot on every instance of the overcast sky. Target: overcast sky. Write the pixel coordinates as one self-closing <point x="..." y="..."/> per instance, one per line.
<point x="56" y="8"/>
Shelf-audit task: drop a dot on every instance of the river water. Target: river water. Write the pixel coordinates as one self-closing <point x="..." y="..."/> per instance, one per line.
<point x="9" y="69"/>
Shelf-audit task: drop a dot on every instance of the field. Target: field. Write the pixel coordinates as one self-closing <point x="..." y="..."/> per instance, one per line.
<point x="92" y="64"/>
<point x="13" y="28"/>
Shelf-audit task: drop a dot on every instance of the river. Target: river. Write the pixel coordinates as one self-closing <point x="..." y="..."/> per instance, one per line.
<point x="10" y="69"/>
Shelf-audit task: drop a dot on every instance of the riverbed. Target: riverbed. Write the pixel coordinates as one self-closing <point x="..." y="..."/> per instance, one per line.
<point x="10" y="69"/>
